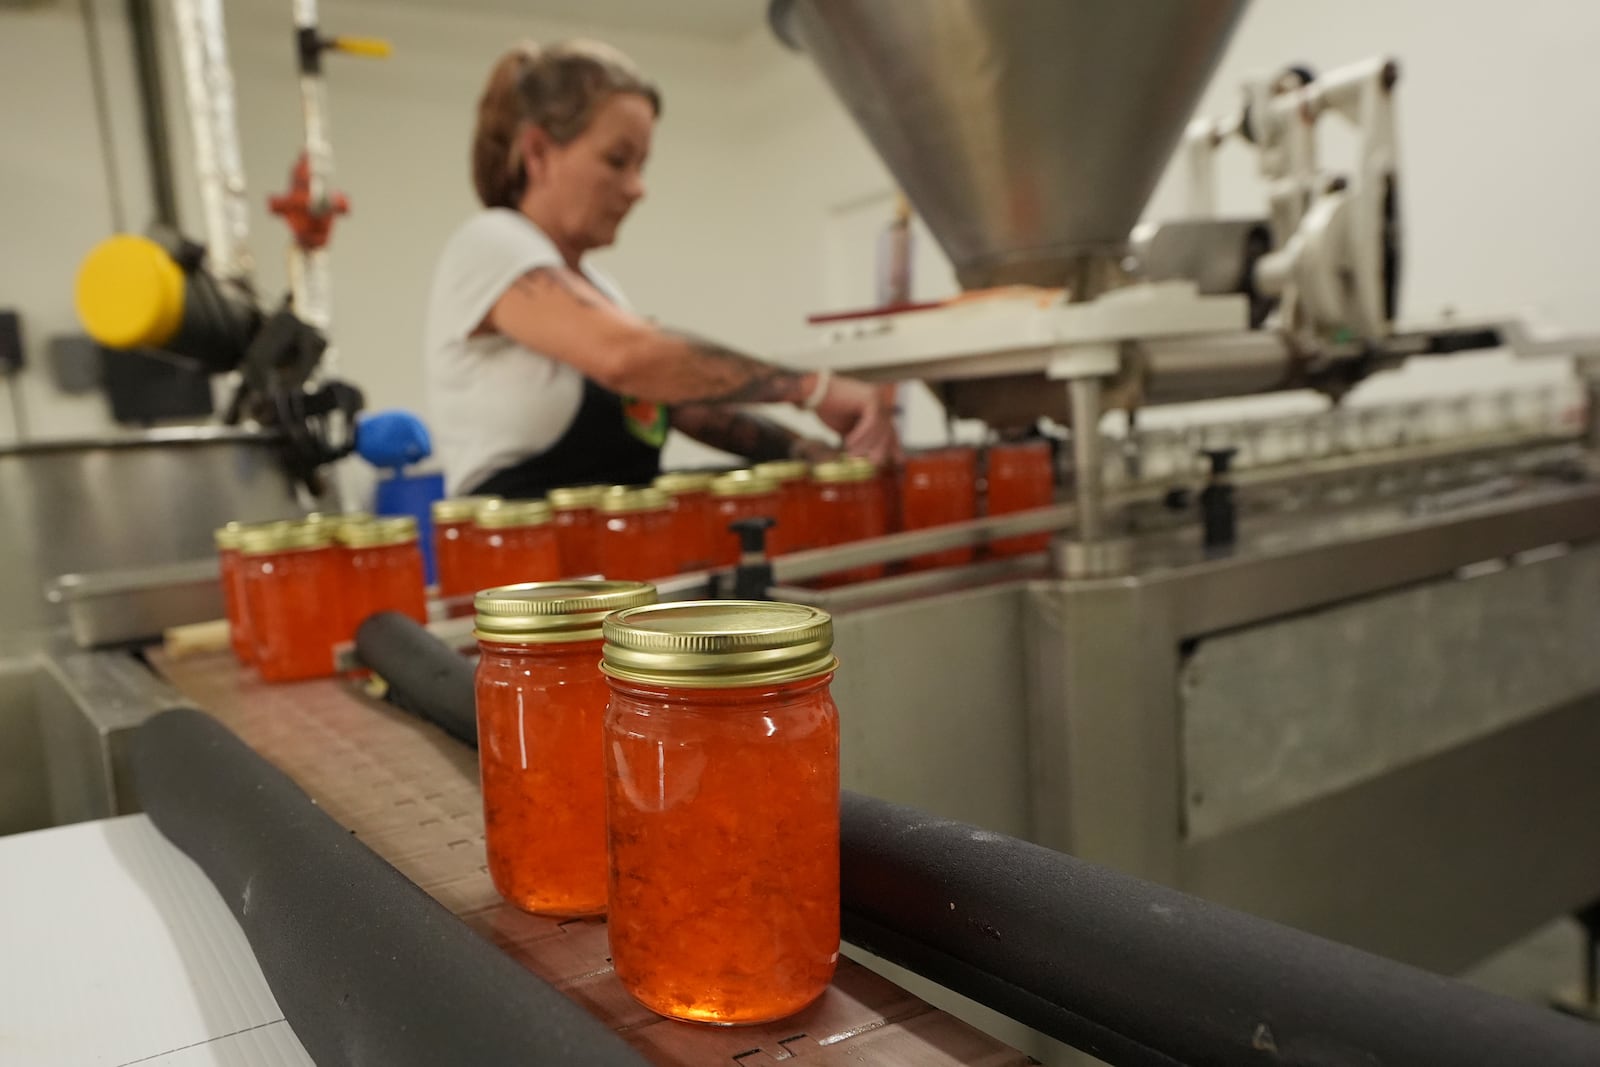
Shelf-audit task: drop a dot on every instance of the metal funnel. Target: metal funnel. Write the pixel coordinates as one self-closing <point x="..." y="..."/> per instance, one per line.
<point x="1028" y="133"/>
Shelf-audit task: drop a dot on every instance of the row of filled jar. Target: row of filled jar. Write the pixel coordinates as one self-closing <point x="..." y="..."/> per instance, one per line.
<point x="682" y="522"/>
<point x="293" y="590"/>
<point x="674" y="767"/>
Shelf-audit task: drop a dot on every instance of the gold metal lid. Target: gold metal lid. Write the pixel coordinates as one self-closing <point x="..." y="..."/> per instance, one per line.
<point x="676" y="483"/>
<point x="459" y="508"/>
<point x="395" y="530"/>
<point x="853" y="469"/>
<point x="576" y="497"/>
<point x="549" y="612"/>
<point x="227" y="536"/>
<point x="783" y="470"/>
<point x="623" y="499"/>
<point x="718" y="644"/>
<point x="742" y="483"/>
<point x="285" y="537"/>
<point x="501" y="514"/>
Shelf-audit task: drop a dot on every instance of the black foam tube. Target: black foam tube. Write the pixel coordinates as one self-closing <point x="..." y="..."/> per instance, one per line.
<point x="367" y="968"/>
<point x="1141" y="974"/>
<point x="424" y="676"/>
<point x="1135" y="973"/>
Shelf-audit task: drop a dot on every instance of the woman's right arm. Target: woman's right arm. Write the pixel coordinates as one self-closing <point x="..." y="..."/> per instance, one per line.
<point x="556" y="312"/>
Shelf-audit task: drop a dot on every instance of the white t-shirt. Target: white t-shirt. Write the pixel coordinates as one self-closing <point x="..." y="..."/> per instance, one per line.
<point x="491" y="402"/>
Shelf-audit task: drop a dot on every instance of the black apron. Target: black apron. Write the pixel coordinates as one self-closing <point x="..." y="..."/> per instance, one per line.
<point x="610" y="442"/>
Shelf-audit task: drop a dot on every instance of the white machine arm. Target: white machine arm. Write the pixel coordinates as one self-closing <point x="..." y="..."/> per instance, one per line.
<point x="1334" y="262"/>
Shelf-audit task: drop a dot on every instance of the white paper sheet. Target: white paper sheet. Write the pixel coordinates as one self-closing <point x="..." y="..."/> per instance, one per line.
<point x="116" y="950"/>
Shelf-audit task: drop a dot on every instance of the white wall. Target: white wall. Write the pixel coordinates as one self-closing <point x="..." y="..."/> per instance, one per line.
<point x="57" y="193"/>
<point x="763" y="197"/>
<point x="1496" y="139"/>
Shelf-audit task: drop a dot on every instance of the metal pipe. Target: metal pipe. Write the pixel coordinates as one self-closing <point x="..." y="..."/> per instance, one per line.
<point x="1084" y="395"/>
<point x="213" y="122"/>
<point x="153" y="111"/>
<point x="1135" y="973"/>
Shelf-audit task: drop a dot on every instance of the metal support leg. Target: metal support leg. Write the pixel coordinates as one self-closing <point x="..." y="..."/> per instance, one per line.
<point x="1090" y="554"/>
<point x="1084" y="394"/>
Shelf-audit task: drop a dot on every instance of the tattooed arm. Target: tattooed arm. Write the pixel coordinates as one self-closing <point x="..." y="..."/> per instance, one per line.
<point x="746" y="434"/>
<point x="557" y="312"/>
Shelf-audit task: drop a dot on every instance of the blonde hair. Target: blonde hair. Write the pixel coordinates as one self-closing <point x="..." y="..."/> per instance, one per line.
<point x="558" y="89"/>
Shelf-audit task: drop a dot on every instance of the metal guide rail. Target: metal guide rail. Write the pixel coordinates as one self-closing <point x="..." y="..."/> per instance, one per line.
<point x="410" y="793"/>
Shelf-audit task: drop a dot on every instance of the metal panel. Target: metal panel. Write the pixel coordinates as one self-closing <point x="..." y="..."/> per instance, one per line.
<point x="931" y="699"/>
<point x="1279" y="714"/>
<point x="1437" y="864"/>
<point x="77" y="506"/>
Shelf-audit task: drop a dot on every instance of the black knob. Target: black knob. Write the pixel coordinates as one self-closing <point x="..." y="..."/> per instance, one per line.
<point x="753" y="576"/>
<point x="1218" y="515"/>
<point x="1221" y="459"/>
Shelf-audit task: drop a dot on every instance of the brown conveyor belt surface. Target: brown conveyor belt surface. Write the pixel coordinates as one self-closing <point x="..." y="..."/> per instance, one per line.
<point x="410" y="792"/>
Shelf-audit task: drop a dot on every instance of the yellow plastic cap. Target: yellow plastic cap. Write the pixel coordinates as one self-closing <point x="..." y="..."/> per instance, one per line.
<point x="129" y="293"/>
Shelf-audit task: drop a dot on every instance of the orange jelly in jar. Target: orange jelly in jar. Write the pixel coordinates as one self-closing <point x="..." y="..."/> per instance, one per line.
<point x="386" y="571"/>
<point x="734" y="496"/>
<point x="452" y="554"/>
<point x="848" y="506"/>
<point x="691" y="517"/>
<point x="577" y="529"/>
<point x="793" y="530"/>
<point x="636" y="534"/>
<point x="541" y="711"/>
<point x="722" y="802"/>
<point x="233" y="596"/>
<point x="937" y="488"/>
<point x="514" y="541"/>
<point x="1021" y="476"/>
<point x="291" y="592"/>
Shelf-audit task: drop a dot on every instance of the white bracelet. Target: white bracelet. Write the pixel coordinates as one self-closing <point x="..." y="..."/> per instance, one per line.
<point x="818" y="391"/>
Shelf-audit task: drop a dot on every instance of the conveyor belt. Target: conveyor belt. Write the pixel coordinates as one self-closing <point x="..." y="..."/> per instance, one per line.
<point x="410" y="792"/>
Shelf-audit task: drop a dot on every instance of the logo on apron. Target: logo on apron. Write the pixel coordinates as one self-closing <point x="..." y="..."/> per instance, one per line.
<point x="645" y="421"/>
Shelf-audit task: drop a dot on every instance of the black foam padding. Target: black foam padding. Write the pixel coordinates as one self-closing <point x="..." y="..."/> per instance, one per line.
<point x="368" y="969"/>
<point x="1135" y="973"/>
<point x="1141" y="974"/>
<point x="424" y="676"/>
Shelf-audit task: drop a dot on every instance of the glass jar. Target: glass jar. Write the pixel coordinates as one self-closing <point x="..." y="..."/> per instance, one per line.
<point x="848" y="506"/>
<point x="578" y="528"/>
<point x="385" y="570"/>
<point x="293" y="597"/>
<point x="1020" y="477"/>
<point x="722" y="802"/>
<point x="691" y="517"/>
<point x="513" y="541"/>
<point x="452" y="526"/>
<point x="734" y="496"/>
<point x="939" y="487"/>
<point x="793" y="531"/>
<point x="231" y="574"/>
<point x="541" y="703"/>
<point x="636" y="534"/>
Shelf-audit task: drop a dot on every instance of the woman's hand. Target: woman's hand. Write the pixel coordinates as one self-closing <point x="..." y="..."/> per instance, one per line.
<point x="864" y="416"/>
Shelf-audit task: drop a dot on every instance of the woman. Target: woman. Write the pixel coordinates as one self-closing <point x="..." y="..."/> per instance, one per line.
<point x="538" y="373"/>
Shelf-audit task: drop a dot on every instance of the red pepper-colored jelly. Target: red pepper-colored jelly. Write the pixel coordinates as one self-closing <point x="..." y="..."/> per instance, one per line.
<point x="937" y="488"/>
<point x="541" y="703"/>
<point x="294" y="599"/>
<point x="452" y="527"/>
<point x="734" y="496"/>
<point x="636" y="530"/>
<point x="722" y="770"/>
<point x="1020" y="477"/>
